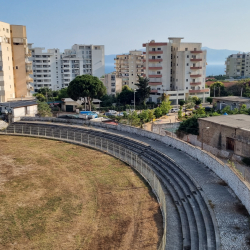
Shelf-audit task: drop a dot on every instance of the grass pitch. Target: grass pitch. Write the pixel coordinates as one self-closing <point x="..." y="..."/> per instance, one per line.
<point x="55" y="195"/>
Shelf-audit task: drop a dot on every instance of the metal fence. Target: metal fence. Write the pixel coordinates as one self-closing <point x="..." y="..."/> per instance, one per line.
<point x="111" y="147"/>
<point x="244" y="171"/>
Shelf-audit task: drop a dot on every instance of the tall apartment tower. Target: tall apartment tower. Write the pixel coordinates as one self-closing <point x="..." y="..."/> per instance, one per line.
<point x="112" y="83"/>
<point x="80" y="60"/>
<point x="21" y="64"/>
<point x="238" y="65"/>
<point x="14" y="65"/>
<point x="46" y="68"/>
<point x="128" y="67"/>
<point x="175" y="68"/>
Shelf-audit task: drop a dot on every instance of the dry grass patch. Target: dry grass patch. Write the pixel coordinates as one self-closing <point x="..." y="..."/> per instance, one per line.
<point x="56" y="195"/>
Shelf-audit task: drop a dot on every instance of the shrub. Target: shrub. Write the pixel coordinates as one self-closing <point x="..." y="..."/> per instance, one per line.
<point x="158" y="112"/>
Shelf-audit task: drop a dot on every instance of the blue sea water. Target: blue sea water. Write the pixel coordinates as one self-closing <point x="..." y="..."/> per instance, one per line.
<point x="212" y="69"/>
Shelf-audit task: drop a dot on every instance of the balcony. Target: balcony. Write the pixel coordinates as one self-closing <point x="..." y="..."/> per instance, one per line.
<point x="195" y="83"/>
<point x="154" y="44"/>
<point x="155" y="76"/>
<point x="195" y="60"/>
<point x="196" y="51"/>
<point x="29" y="87"/>
<point x="156" y="52"/>
<point x="154" y="91"/>
<point x="154" y="68"/>
<point x="198" y="90"/>
<point x="29" y="71"/>
<point x="197" y="75"/>
<point x="29" y="79"/>
<point x="155" y="83"/>
<point x="195" y="67"/>
<point x="154" y="60"/>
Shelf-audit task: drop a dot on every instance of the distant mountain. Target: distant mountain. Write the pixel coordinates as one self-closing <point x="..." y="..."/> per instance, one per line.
<point x="218" y="56"/>
<point x="214" y="57"/>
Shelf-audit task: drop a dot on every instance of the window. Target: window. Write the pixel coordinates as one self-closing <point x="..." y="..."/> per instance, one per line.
<point x="186" y="87"/>
<point x="158" y="72"/>
<point x="186" y="80"/>
<point x="158" y="48"/>
<point x="16" y="67"/>
<point x="187" y="56"/>
<point x="158" y="56"/>
<point x="187" y="64"/>
<point x="186" y="49"/>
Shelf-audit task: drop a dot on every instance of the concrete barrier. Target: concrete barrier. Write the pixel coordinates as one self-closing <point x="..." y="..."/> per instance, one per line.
<point x="234" y="180"/>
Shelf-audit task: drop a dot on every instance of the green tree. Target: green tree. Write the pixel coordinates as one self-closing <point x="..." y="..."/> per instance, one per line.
<point x="180" y="113"/>
<point x="151" y="114"/>
<point x="62" y="93"/>
<point x="210" y="99"/>
<point x="181" y="102"/>
<point x="48" y="93"/>
<point x="200" y="110"/>
<point x="219" y="89"/>
<point x="126" y="95"/>
<point x="144" y="115"/>
<point x="165" y="106"/>
<point x="190" y="103"/>
<point x="158" y="112"/>
<point x="196" y="100"/>
<point x="86" y="86"/>
<point x="40" y="97"/>
<point x="143" y="90"/>
<point x="133" y="119"/>
<point x="44" y="109"/>
<point x="108" y="100"/>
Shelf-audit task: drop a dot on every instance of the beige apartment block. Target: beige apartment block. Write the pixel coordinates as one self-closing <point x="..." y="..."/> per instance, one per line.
<point x="14" y="65"/>
<point x="238" y="65"/>
<point x="112" y="83"/>
<point x="22" y="67"/>
<point x="7" y="88"/>
<point x="129" y="66"/>
<point x="175" y="68"/>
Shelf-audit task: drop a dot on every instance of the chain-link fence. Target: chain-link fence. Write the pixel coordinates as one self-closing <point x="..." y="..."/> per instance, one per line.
<point x="103" y="144"/>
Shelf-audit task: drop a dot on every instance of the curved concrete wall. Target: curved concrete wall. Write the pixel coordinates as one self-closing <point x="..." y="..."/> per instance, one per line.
<point x="239" y="186"/>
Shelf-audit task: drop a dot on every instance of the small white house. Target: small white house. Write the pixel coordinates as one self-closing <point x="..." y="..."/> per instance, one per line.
<point x="16" y="109"/>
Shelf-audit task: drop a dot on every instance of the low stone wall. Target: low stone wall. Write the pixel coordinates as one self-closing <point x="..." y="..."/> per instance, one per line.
<point x="240" y="187"/>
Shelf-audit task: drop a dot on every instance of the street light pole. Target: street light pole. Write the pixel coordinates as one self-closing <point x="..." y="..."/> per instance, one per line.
<point x="202" y="136"/>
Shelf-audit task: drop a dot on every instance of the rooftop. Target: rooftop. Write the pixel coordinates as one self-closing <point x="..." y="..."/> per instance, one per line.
<point x="234" y="121"/>
<point x="17" y="104"/>
<point x="233" y="98"/>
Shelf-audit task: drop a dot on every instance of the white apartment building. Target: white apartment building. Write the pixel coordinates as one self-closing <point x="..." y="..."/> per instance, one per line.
<point x="82" y="59"/>
<point x="238" y="65"/>
<point x="175" y="68"/>
<point x="112" y="83"/>
<point x="46" y="68"/>
<point x="55" y="71"/>
<point x="128" y="67"/>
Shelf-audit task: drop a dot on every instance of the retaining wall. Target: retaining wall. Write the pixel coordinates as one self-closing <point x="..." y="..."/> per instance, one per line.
<point x="234" y="180"/>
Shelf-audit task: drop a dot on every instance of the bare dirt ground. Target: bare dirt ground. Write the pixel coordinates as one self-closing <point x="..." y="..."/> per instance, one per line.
<point x="55" y="195"/>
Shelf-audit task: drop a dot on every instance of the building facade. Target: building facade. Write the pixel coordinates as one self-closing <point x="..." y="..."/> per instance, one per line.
<point x="112" y="83"/>
<point x="226" y="132"/>
<point x="56" y="70"/>
<point x="175" y="68"/>
<point x="231" y="101"/>
<point x="14" y="65"/>
<point x="129" y="66"/>
<point x="80" y="60"/>
<point x="238" y="65"/>
<point x="46" y="68"/>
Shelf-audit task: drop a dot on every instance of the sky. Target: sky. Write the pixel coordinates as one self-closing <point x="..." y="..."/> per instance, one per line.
<point x="123" y="25"/>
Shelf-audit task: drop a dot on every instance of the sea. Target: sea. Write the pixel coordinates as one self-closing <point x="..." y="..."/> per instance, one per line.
<point x="212" y="69"/>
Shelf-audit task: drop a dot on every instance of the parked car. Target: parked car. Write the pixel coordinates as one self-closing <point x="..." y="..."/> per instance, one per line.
<point x="173" y="110"/>
<point x="109" y="114"/>
<point x="112" y="111"/>
<point x="208" y="109"/>
<point x="120" y="114"/>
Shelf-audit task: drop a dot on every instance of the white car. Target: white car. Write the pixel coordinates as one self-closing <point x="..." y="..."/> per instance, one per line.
<point x="173" y="110"/>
